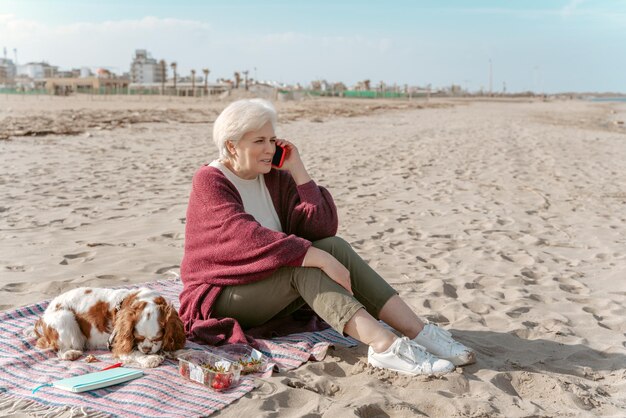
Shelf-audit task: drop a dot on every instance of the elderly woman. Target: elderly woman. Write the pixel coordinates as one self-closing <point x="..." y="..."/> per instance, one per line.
<point x="260" y="244"/>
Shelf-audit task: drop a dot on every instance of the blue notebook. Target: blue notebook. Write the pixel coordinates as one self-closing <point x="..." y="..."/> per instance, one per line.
<point x="95" y="380"/>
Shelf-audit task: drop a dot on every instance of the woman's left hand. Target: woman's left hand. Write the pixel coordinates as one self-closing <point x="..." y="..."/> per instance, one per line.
<point x="292" y="156"/>
<point x="293" y="163"/>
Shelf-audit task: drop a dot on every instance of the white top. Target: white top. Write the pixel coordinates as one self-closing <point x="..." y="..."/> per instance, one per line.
<point x="256" y="198"/>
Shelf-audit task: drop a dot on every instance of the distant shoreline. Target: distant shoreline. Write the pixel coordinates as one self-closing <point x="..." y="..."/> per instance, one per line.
<point x="608" y="99"/>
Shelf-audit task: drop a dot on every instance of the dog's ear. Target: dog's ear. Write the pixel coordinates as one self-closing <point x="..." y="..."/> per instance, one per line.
<point x="47" y="336"/>
<point x="111" y="340"/>
<point x="122" y="339"/>
<point x="38" y="328"/>
<point x="173" y="331"/>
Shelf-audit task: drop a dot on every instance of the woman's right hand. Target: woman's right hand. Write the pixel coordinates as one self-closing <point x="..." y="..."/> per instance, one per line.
<point x="329" y="265"/>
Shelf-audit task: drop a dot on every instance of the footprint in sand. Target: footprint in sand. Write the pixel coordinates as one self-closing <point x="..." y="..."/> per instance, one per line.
<point x="593" y="312"/>
<point x="14" y="287"/>
<point x="557" y="326"/>
<point x="503" y="381"/>
<point x="529" y="276"/>
<point x="584" y="396"/>
<point x="166" y="269"/>
<point x="438" y="319"/>
<point x="473" y="285"/>
<point x="370" y="411"/>
<point x="107" y="276"/>
<point x="450" y="291"/>
<point x="401" y="409"/>
<point x="97" y="244"/>
<point x="377" y="236"/>
<point x="16" y="268"/>
<point x="599" y="319"/>
<point x="571" y="286"/>
<point x="478" y="308"/>
<point x="515" y="313"/>
<point x="525" y="383"/>
<point x="536" y="298"/>
<point x="520" y="258"/>
<point x="320" y="384"/>
<point x="526" y="272"/>
<point x="78" y="257"/>
<point x="371" y="220"/>
<point x="602" y="256"/>
<point x="442" y="266"/>
<point x="167" y="236"/>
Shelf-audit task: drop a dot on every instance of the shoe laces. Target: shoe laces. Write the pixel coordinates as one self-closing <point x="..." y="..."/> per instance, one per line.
<point x="440" y="335"/>
<point x="412" y="352"/>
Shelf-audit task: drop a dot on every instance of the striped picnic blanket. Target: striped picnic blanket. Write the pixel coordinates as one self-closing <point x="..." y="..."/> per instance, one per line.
<point x="160" y="392"/>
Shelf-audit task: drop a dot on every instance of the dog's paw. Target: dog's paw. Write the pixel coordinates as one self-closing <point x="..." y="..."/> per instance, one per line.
<point x="175" y="354"/>
<point x="70" y="354"/>
<point x="150" y="361"/>
<point x="29" y="332"/>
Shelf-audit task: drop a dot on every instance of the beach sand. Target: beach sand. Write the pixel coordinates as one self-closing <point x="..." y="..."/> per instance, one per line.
<point x="504" y="221"/>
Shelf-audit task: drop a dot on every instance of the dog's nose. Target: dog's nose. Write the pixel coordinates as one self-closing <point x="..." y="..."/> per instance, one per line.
<point x="145" y="349"/>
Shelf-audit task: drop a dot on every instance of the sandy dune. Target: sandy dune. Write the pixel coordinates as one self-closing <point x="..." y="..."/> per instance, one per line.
<point x="502" y="221"/>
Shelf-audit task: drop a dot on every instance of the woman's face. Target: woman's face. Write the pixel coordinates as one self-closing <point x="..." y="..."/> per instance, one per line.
<point x="253" y="152"/>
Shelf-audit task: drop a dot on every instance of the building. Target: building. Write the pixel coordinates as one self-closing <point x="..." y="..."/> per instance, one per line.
<point x="85" y="72"/>
<point x="104" y="73"/>
<point x="4" y="79"/>
<point x="187" y="89"/>
<point x="7" y="71"/>
<point x="37" y="70"/>
<point x="91" y="85"/>
<point x="144" y="69"/>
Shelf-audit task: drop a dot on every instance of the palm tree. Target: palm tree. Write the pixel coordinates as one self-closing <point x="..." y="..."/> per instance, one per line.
<point x="162" y="67"/>
<point x="206" y="80"/>
<point x="193" y="83"/>
<point x="174" y="65"/>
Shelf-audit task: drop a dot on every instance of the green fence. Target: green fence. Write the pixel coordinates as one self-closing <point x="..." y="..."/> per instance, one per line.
<point x="367" y="94"/>
<point x="20" y="91"/>
<point x="373" y="94"/>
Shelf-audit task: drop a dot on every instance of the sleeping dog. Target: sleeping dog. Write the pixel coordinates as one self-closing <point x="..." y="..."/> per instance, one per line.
<point x="137" y="325"/>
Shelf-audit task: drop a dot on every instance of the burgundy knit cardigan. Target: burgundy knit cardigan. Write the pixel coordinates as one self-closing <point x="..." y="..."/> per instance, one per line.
<point x="225" y="246"/>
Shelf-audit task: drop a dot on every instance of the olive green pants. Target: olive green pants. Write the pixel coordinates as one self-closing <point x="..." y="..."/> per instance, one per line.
<point x="289" y="288"/>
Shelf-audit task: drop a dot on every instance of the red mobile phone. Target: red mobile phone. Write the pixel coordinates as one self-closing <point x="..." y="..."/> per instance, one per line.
<point x="279" y="156"/>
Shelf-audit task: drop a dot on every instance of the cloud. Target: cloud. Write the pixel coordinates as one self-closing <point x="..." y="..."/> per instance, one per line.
<point x="108" y="43"/>
<point x="289" y="56"/>
<point x="571" y="7"/>
<point x="147" y="24"/>
<point x="11" y="25"/>
<point x="415" y="57"/>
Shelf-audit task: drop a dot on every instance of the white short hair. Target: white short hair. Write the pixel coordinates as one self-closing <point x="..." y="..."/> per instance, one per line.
<point x="239" y="118"/>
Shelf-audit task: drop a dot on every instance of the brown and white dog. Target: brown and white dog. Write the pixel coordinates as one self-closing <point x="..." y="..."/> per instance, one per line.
<point x="135" y="324"/>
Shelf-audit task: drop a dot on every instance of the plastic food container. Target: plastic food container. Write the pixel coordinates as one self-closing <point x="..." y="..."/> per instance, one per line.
<point x="251" y="360"/>
<point x="212" y="370"/>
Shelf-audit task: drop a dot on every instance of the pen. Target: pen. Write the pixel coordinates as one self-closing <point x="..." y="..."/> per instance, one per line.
<point x="112" y="366"/>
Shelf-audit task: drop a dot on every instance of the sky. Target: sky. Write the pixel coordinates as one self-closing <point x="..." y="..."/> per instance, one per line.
<point x="545" y="46"/>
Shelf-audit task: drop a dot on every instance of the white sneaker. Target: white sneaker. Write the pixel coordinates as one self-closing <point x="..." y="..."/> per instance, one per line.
<point x="405" y="356"/>
<point x="439" y="342"/>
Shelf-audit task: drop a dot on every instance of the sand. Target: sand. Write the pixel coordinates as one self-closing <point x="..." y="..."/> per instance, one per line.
<point x="504" y="221"/>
